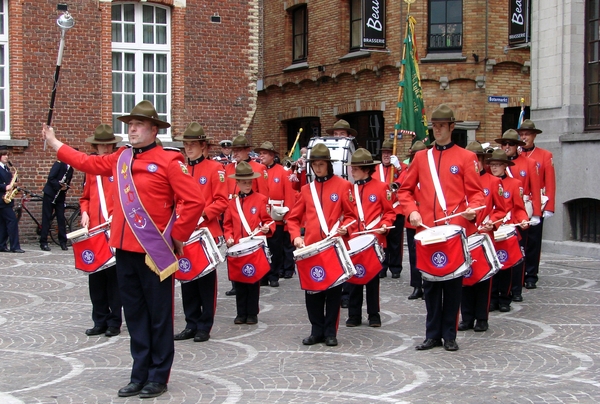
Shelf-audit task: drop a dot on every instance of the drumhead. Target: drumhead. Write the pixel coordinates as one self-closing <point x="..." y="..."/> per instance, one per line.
<point x="340" y="148"/>
<point x="444" y="231"/>
<point x="361" y="242"/>
<point x="315" y="248"/>
<point x="475" y="240"/>
<point x="504" y="231"/>
<point x="245" y="246"/>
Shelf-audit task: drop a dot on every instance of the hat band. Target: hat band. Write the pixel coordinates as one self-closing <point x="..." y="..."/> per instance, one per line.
<point x="244" y="175"/>
<point x="105" y="140"/>
<point x="363" y="162"/>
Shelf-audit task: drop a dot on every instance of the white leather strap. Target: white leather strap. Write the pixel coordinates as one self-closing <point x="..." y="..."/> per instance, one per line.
<point x="436" y="181"/>
<point x="238" y="205"/>
<point x="102" y="198"/>
<point x="318" y="208"/>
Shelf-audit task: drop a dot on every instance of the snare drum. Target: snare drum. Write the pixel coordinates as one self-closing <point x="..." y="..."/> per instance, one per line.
<point x="366" y="255"/>
<point x="248" y="262"/>
<point x="484" y="261"/>
<point x="200" y="256"/>
<point x="340" y="148"/>
<point x="508" y="249"/>
<point x="442" y="253"/>
<point x="92" y="252"/>
<point x="323" y="265"/>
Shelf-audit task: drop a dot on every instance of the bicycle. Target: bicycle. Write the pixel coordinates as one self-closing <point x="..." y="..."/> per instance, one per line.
<point x="72" y="215"/>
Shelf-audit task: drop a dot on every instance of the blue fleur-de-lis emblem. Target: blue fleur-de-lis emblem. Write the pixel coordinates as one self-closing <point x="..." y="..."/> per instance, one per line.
<point x="360" y="271"/>
<point x="184" y="265"/>
<point x="522" y="173"/>
<point x="372" y="198"/>
<point x="486" y="191"/>
<point x="248" y="270"/>
<point x="276" y="179"/>
<point x="203" y="180"/>
<point x="506" y="195"/>
<point x="334" y="197"/>
<point x="317" y="273"/>
<point x="454" y="169"/>
<point x="111" y="179"/>
<point x="253" y="210"/>
<point x="502" y="255"/>
<point x="152" y="167"/>
<point x="439" y="259"/>
<point x="88" y="256"/>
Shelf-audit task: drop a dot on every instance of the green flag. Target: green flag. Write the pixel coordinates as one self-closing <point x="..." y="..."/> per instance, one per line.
<point x="296" y="152"/>
<point x="413" y="110"/>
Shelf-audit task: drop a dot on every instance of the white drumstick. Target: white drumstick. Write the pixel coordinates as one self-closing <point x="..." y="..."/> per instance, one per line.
<point x="373" y="230"/>
<point x="427" y="227"/>
<point x="341" y="227"/>
<point x="84" y="231"/>
<point x="456" y="215"/>
<point x="255" y="232"/>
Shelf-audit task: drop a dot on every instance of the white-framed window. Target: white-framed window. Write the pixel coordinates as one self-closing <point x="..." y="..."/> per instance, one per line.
<point x="141" y="61"/>
<point x="4" y="88"/>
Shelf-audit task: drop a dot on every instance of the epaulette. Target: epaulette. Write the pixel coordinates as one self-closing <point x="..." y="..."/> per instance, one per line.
<point x="173" y="149"/>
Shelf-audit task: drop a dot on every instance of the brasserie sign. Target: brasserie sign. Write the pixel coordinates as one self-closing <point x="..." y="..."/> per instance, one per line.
<point x="518" y="22"/>
<point x="374" y="23"/>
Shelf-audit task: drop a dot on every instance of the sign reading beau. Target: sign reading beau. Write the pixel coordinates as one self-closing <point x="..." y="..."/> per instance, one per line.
<point x="518" y="26"/>
<point x="373" y="17"/>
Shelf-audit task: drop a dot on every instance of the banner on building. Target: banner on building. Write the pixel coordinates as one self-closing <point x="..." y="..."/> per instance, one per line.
<point x="374" y="23"/>
<point x="518" y="22"/>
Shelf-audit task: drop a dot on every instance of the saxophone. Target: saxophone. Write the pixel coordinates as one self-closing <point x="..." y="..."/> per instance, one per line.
<point x="10" y="195"/>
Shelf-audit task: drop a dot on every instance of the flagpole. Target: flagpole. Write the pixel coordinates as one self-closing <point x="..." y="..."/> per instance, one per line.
<point x="400" y="88"/>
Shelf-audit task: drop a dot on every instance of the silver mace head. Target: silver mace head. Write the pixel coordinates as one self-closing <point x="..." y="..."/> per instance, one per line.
<point x="65" y="22"/>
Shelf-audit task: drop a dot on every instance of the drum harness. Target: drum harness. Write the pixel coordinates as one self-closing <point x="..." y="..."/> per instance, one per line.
<point x="361" y="213"/>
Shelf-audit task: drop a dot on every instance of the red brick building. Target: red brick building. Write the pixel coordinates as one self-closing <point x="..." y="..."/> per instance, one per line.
<point x="317" y="66"/>
<point x="194" y="60"/>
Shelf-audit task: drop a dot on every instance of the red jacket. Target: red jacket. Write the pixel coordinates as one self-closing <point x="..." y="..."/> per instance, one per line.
<point x="513" y="200"/>
<point x="458" y="172"/>
<point x="335" y="196"/>
<point x="545" y="164"/>
<point x="254" y="206"/>
<point x="525" y="169"/>
<point x="259" y="184"/>
<point x="494" y="201"/>
<point x="280" y="187"/>
<point x="156" y="188"/>
<point x="90" y="200"/>
<point x="383" y="174"/>
<point x="376" y="201"/>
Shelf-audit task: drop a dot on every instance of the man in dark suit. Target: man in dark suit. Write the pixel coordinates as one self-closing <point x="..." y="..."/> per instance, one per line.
<point x="55" y="192"/>
<point x="9" y="226"/>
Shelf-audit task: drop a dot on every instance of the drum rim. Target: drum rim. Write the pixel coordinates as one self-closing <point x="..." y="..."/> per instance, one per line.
<point x="237" y="247"/>
<point x="457" y="231"/>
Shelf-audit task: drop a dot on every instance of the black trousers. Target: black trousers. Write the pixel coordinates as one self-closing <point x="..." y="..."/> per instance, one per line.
<point x="416" y="281"/>
<point x="105" y="297"/>
<point x="199" y="298"/>
<point x="323" y="310"/>
<point x="9" y="227"/>
<point x="148" y="308"/>
<point x="282" y="259"/>
<point x="47" y="209"/>
<point x="533" y="252"/>
<point x="518" y="270"/>
<point x="475" y="301"/>
<point x="395" y="247"/>
<point x="246" y="298"/>
<point x="501" y="287"/>
<point x="442" y="300"/>
<point x="356" y="298"/>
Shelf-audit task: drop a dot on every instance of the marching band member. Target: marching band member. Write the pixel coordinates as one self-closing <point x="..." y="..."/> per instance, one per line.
<point x="373" y="200"/>
<point x="395" y="238"/>
<point x="475" y="303"/>
<point x="545" y="165"/>
<point x="55" y="193"/>
<point x="225" y="156"/>
<point x="512" y="192"/>
<point x="148" y="180"/>
<point x="455" y="172"/>
<point x="525" y="169"/>
<point x="330" y="204"/>
<point x="239" y="222"/>
<point x="199" y="297"/>
<point x="96" y="208"/>
<point x="9" y="225"/>
<point x="282" y="197"/>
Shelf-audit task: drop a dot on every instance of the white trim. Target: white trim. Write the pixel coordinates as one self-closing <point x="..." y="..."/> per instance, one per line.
<point x="4" y="41"/>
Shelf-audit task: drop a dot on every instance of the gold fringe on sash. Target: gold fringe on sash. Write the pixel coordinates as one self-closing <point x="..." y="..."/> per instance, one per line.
<point x="170" y="270"/>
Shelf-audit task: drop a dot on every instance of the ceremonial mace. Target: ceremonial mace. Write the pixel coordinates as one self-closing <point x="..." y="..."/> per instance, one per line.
<point x="65" y="22"/>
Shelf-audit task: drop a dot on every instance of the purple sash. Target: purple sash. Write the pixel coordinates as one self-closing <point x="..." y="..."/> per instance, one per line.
<point x="159" y="247"/>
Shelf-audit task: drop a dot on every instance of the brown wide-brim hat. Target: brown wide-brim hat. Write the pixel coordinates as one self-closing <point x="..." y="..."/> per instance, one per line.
<point x="499" y="155"/>
<point x="266" y="146"/>
<point x="243" y="171"/>
<point x="320" y="152"/>
<point x="510" y="135"/>
<point x="145" y="111"/>
<point x="194" y="131"/>
<point x="418" y="145"/>
<point x="443" y="113"/>
<point x="103" y="135"/>
<point x="528" y="125"/>
<point x="477" y="148"/>
<point x="362" y="158"/>
<point x="341" y="125"/>
<point x="387" y="145"/>
<point x="240" y="142"/>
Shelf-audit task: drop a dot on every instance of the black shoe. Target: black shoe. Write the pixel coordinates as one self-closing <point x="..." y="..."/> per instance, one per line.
<point x="396" y="275"/>
<point x="4" y="249"/>
<point x="480" y="326"/>
<point x="345" y="302"/>
<point x="353" y="321"/>
<point x="504" y="308"/>
<point x="240" y="320"/>
<point x="264" y="282"/>
<point x="383" y="274"/>
<point x="517" y="298"/>
<point x="288" y="275"/>
<point x="18" y="250"/>
<point x="417" y="293"/>
<point x="530" y="285"/>
<point x="230" y="292"/>
<point x="451" y="345"/>
<point x="132" y="389"/>
<point x="152" y="389"/>
<point x="201" y="336"/>
<point x="95" y="331"/>
<point x="274" y="284"/>
<point x="374" y="320"/>
<point x="252" y="320"/>
<point x="185" y="334"/>
<point x="493" y="307"/>
<point x="112" y="331"/>
<point x="63" y="246"/>
<point x="311" y="340"/>
<point x="44" y="247"/>
<point x="428" y="344"/>
<point x="464" y="326"/>
<point x="331" y="341"/>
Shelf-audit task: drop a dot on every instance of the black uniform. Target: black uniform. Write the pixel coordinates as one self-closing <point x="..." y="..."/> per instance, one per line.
<point x="9" y="226"/>
<point x="60" y="172"/>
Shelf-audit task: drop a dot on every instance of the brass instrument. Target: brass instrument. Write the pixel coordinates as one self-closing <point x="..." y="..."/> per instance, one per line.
<point x="10" y="195"/>
<point x="394" y="186"/>
<point x="62" y="182"/>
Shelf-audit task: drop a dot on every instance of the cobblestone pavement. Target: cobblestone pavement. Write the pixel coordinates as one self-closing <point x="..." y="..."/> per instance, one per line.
<point x="546" y="350"/>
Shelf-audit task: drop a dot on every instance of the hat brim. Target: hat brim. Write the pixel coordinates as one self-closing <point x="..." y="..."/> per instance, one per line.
<point x="259" y="149"/>
<point x="518" y="142"/>
<point x="351" y="131"/>
<point x="445" y="120"/>
<point x="535" y="131"/>
<point x="507" y="162"/>
<point x="157" y="122"/>
<point x="234" y="146"/>
<point x="244" y="177"/>
<point x="93" y="140"/>
<point x="374" y="163"/>
<point x="189" y="139"/>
